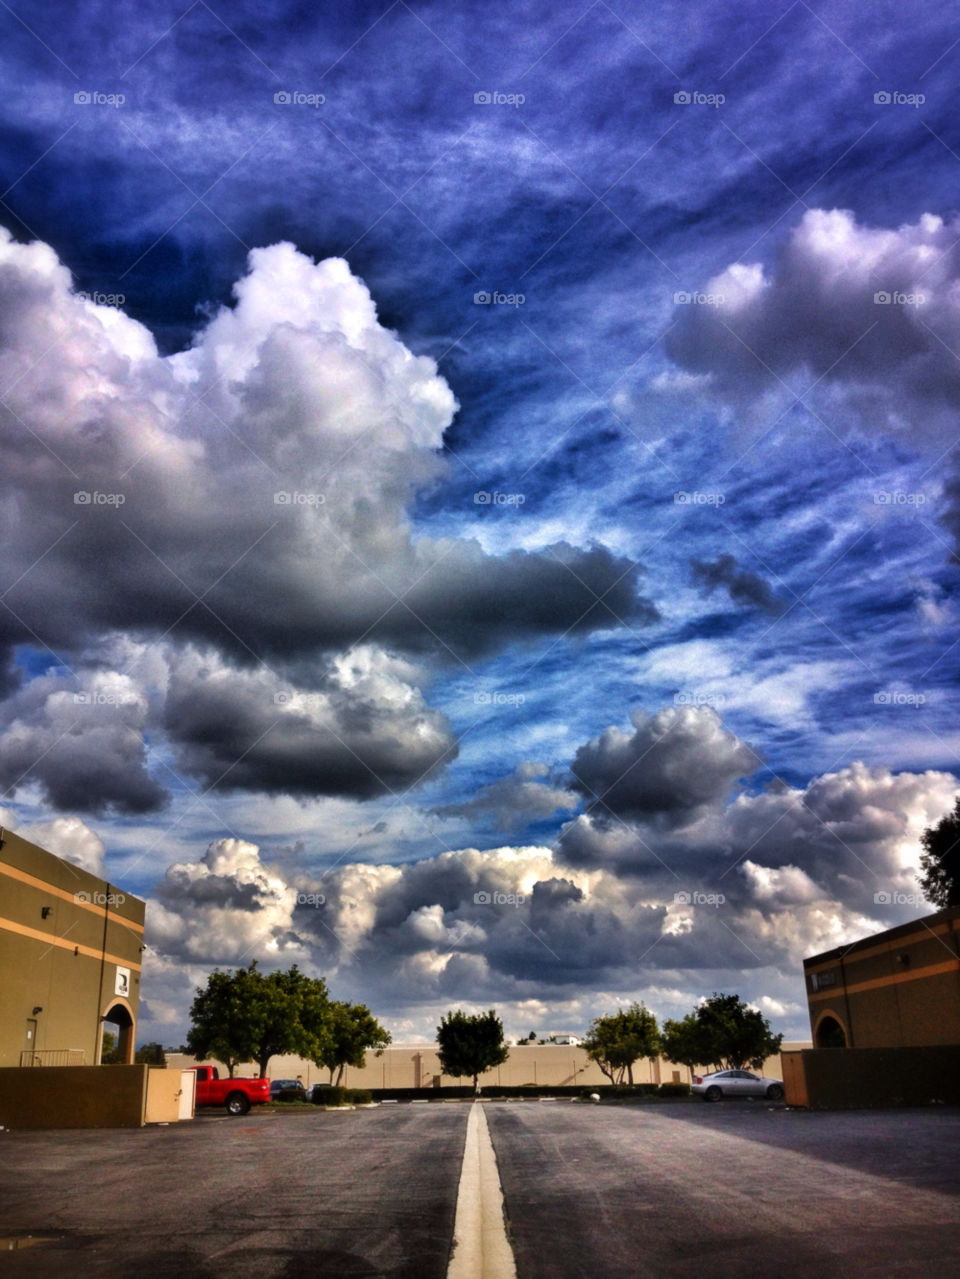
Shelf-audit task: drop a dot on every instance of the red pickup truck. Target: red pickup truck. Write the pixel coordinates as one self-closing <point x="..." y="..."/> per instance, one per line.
<point x="236" y="1094"/>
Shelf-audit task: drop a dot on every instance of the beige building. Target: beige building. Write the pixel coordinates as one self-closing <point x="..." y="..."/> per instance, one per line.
<point x="536" y="1065"/>
<point x="896" y="989"/>
<point x="71" y="951"/>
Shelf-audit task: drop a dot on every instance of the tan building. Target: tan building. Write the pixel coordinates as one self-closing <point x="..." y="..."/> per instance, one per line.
<point x="896" y="989"/>
<point x="418" y="1066"/>
<point x="71" y="951"/>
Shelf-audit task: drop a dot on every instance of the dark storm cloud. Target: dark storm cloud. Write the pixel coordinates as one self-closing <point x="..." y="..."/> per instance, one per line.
<point x="364" y="732"/>
<point x="86" y="756"/>
<point x="672" y="765"/>
<point x="743" y="586"/>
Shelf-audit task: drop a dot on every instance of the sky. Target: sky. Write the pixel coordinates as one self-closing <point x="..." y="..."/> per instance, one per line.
<point x="479" y="489"/>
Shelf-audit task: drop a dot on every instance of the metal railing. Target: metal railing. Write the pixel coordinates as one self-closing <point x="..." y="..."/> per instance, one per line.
<point x="53" y="1057"/>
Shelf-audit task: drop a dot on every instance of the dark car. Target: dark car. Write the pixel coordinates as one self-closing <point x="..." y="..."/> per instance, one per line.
<point x="287" y="1090"/>
<point x="318" y="1092"/>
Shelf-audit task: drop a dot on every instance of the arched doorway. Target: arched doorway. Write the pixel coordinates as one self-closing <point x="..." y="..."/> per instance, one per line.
<point x="118" y="1019"/>
<point x="830" y="1034"/>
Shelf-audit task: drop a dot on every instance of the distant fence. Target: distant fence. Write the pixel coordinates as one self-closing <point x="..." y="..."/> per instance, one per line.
<point x="53" y="1057"/>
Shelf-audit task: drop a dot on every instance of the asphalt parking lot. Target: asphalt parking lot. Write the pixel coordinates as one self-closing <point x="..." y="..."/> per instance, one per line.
<point x="661" y="1191"/>
<point x="732" y="1191"/>
<point x="267" y="1196"/>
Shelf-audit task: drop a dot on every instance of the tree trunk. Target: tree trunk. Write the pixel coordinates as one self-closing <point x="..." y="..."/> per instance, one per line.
<point x="340" y="1072"/>
<point x="630" y="1072"/>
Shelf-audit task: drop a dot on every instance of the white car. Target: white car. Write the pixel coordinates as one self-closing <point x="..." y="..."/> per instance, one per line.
<point x="736" y="1083"/>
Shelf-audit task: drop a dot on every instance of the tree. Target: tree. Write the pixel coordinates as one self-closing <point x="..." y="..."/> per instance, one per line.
<point x="616" y="1041"/>
<point x="940" y="860"/>
<point x="110" y="1050"/>
<point x="224" y="1019"/>
<point x="150" y="1055"/>
<point x="253" y="1016"/>
<point x="471" y="1044"/>
<point x="723" y="1033"/>
<point x="353" y="1029"/>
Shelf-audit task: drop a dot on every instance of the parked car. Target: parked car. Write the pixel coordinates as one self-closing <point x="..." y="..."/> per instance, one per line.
<point x="315" y="1092"/>
<point x="736" y="1083"/>
<point x="287" y="1090"/>
<point x="238" y="1095"/>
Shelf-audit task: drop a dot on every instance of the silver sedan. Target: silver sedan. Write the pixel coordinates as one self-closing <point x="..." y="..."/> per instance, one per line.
<point x="736" y="1083"/>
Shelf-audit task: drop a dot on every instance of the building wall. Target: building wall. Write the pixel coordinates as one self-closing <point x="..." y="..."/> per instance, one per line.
<point x="418" y="1066"/>
<point x="64" y="964"/>
<point x="64" y="1097"/>
<point x="896" y="989"/>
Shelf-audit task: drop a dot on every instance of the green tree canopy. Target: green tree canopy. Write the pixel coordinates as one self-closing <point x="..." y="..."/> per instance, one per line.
<point x="470" y="1044"/>
<point x="110" y="1050"/>
<point x="940" y="860"/>
<point x="616" y="1041"/>
<point x="253" y="1016"/>
<point x="150" y="1055"/>
<point x="723" y="1033"/>
<point x="225" y="1019"/>
<point x="353" y="1029"/>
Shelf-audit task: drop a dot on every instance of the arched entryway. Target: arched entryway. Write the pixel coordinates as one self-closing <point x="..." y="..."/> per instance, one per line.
<point x="118" y="1019"/>
<point x="830" y="1033"/>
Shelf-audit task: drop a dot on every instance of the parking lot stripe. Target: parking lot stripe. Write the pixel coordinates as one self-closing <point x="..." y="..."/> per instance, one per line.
<point x="481" y="1249"/>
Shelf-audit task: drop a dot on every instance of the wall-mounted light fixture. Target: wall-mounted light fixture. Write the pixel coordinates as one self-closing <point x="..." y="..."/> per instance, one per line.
<point x="45" y="911"/>
<point x="36" y="1010"/>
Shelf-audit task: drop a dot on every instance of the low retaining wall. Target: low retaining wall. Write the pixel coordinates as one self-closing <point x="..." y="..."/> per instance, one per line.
<point x="73" y="1096"/>
<point x="852" y="1078"/>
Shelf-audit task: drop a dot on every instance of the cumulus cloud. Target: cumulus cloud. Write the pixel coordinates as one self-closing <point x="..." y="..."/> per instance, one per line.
<point x="71" y="839"/>
<point x="251" y="491"/>
<point x="814" y="318"/>
<point x="365" y="731"/>
<point x="790" y="872"/>
<point x="227" y="908"/>
<point x="513" y="802"/>
<point x="244" y="504"/>
<point x="84" y="749"/>
<point x="744" y="587"/>
<point x="667" y="770"/>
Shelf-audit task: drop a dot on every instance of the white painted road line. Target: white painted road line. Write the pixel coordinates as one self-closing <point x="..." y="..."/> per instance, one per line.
<point x="480" y="1246"/>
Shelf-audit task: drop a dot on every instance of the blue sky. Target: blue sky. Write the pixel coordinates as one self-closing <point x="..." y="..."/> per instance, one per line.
<point x="737" y="517"/>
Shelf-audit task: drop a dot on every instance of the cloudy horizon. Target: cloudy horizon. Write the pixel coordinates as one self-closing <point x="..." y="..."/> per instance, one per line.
<point x="488" y="536"/>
